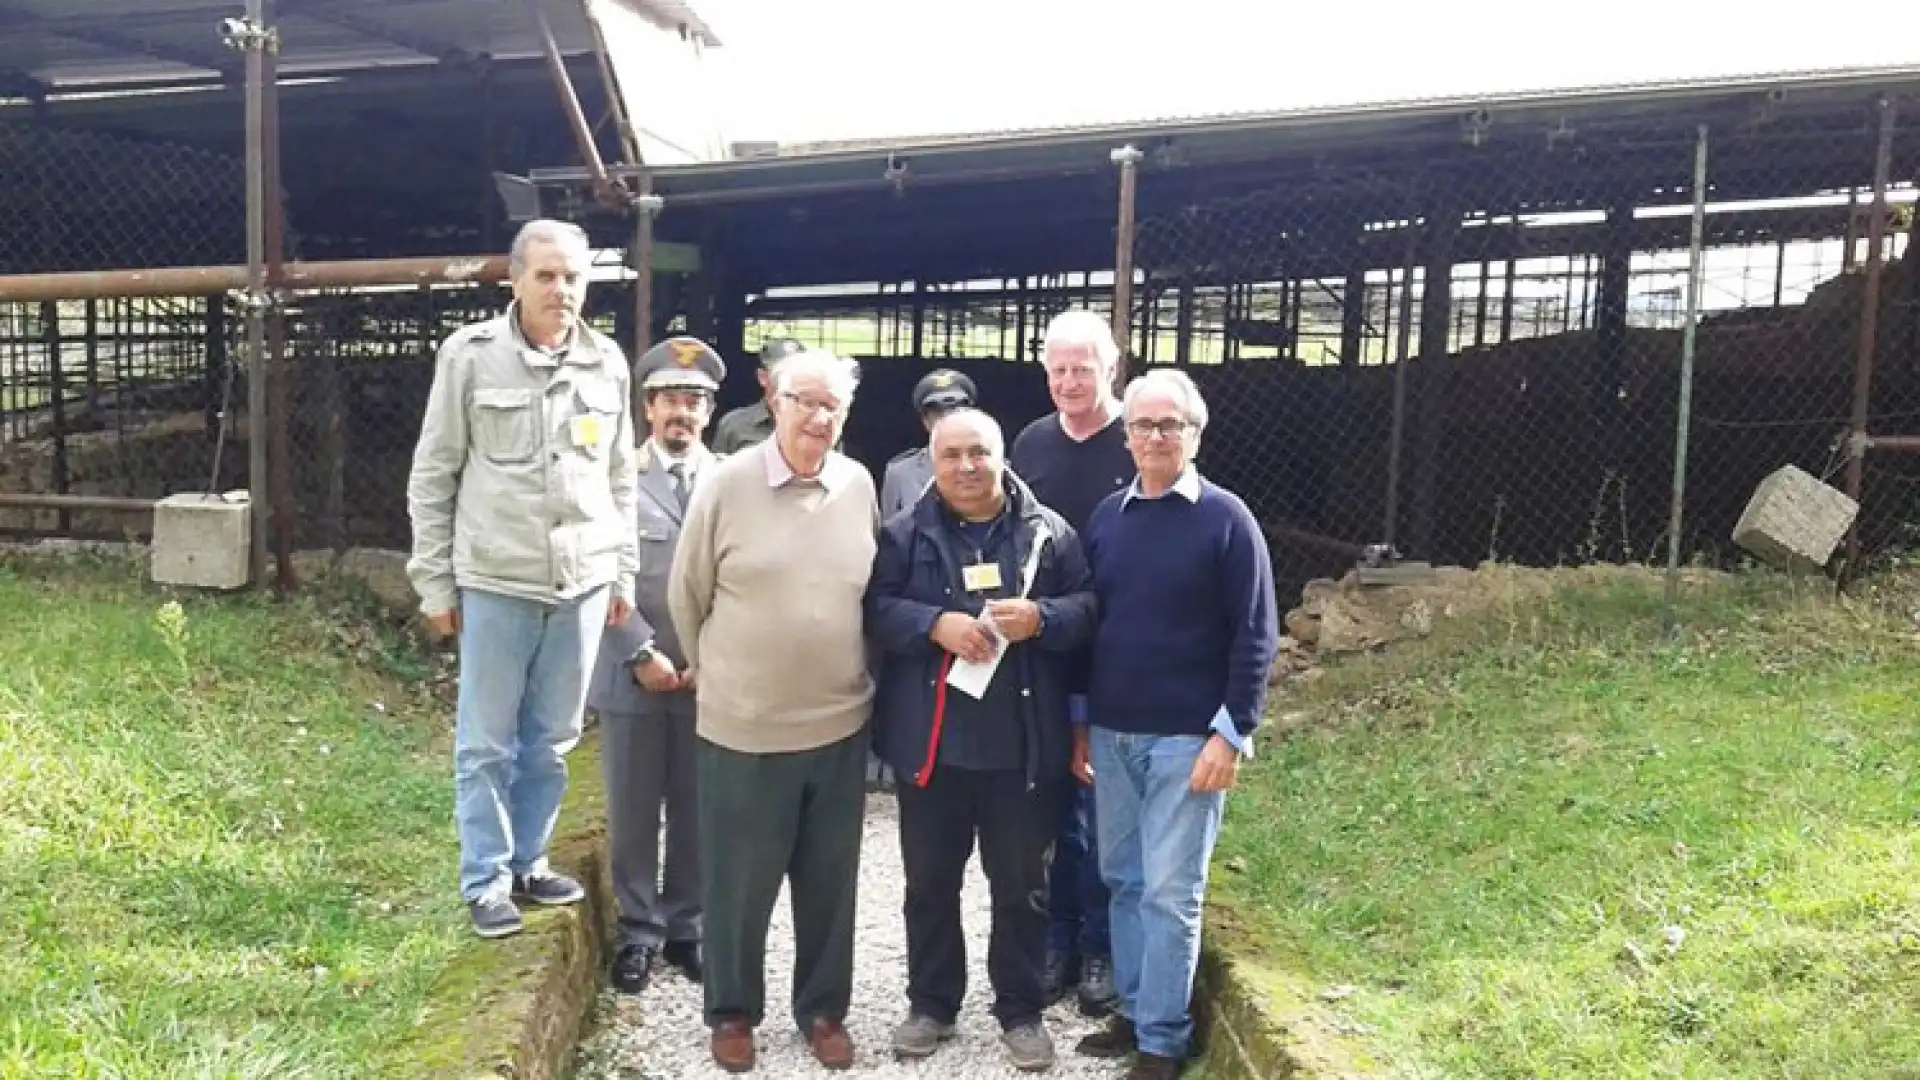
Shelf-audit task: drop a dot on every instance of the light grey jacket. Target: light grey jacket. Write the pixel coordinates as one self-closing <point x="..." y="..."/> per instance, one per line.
<point x="906" y="479"/>
<point x="523" y="477"/>
<point x="658" y="518"/>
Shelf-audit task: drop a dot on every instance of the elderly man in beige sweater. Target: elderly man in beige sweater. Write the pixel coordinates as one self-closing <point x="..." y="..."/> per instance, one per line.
<point x="767" y="589"/>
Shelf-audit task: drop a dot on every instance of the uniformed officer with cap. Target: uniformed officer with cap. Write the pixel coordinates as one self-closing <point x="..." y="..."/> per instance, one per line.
<point x="750" y="425"/>
<point x="643" y="687"/>
<point x="908" y="474"/>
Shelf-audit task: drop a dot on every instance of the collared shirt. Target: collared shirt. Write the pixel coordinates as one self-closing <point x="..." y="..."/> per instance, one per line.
<point x="539" y="353"/>
<point x="833" y="472"/>
<point x="1186" y="485"/>
<point x="667" y="461"/>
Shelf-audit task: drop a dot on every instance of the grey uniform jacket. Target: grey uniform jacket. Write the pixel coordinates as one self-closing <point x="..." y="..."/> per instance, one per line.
<point x="659" y="519"/>
<point x="523" y="477"/>
<point x="908" y="475"/>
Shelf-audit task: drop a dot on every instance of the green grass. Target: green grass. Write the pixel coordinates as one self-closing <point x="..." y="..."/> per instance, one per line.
<point x="225" y="847"/>
<point x="1489" y="837"/>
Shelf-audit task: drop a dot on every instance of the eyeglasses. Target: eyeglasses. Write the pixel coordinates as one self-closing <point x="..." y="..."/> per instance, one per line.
<point x="1169" y="428"/>
<point x="811" y="405"/>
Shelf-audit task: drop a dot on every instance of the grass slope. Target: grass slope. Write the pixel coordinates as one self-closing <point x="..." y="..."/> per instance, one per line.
<point x="225" y="847"/>
<point x="1561" y="847"/>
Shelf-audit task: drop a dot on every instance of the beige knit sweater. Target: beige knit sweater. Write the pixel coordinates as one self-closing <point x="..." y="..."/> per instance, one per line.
<point x="766" y="593"/>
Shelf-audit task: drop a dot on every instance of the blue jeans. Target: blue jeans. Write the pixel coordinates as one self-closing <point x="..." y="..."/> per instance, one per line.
<point x="1076" y="897"/>
<point x="1156" y="838"/>
<point x="524" y="667"/>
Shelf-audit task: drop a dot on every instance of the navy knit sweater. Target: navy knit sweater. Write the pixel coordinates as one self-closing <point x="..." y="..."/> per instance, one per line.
<point x="1188" y="619"/>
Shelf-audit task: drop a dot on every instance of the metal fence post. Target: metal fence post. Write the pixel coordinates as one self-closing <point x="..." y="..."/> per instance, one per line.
<point x="253" y="39"/>
<point x="1128" y="158"/>
<point x="1869" y="329"/>
<point x="1696" y="266"/>
<point x="645" y="205"/>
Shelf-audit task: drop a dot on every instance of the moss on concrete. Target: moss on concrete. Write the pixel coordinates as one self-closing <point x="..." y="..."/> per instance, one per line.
<point x="517" y="1007"/>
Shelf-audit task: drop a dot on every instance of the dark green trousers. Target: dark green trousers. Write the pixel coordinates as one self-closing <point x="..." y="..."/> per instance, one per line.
<point x="765" y="818"/>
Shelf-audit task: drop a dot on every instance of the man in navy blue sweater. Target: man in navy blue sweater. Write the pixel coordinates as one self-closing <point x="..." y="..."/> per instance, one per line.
<point x="1188" y="631"/>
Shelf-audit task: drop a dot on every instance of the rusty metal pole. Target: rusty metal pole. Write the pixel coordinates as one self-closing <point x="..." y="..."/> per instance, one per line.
<point x="645" y="206"/>
<point x="280" y="410"/>
<point x="576" y="116"/>
<point x="1696" y="275"/>
<point x="253" y="38"/>
<point x="1869" y="330"/>
<point x="1128" y="158"/>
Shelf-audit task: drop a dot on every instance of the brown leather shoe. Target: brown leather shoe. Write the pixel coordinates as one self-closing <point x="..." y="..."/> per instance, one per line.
<point x="732" y="1045"/>
<point x="832" y="1046"/>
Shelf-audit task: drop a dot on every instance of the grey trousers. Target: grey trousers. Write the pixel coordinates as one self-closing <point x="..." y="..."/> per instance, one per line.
<point x="650" y="765"/>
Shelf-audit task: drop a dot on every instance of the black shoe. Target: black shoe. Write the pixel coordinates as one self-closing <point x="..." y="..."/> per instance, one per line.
<point x="1097" y="995"/>
<point x="1116" y="1040"/>
<point x="685" y="956"/>
<point x="1154" y="1067"/>
<point x="494" y="917"/>
<point x="632" y="966"/>
<point x="549" y="888"/>
<point x="1062" y="973"/>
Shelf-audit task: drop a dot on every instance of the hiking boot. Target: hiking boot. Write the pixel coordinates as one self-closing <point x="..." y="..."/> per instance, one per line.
<point x="1062" y="973"/>
<point x="1116" y="1040"/>
<point x="1097" y="995"/>
<point x="919" y="1036"/>
<point x="549" y="888"/>
<point x="1029" y="1047"/>
<point x="495" y="917"/>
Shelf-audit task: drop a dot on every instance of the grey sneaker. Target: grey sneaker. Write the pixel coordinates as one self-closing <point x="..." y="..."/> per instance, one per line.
<point x="919" y="1036"/>
<point x="1097" y="996"/>
<point x="1029" y="1047"/>
<point x="494" y="916"/>
<point x="547" y="887"/>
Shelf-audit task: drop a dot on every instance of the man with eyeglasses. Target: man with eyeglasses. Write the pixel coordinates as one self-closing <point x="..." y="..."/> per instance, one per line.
<point x="1188" y="631"/>
<point x="1072" y="458"/>
<point x="767" y="593"/>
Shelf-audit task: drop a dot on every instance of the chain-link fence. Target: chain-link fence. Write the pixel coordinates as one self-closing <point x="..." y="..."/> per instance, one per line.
<point x="1479" y="356"/>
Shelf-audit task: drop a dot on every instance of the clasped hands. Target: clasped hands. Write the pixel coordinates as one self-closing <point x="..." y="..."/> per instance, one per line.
<point x="659" y="677"/>
<point x="967" y="636"/>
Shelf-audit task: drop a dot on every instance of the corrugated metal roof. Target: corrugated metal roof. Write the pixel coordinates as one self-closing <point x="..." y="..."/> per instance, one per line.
<point x="61" y="45"/>
<point x="1581" y="96"/>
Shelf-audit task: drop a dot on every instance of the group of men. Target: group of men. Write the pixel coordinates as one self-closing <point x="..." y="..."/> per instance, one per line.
<point x="1060" y="651"/>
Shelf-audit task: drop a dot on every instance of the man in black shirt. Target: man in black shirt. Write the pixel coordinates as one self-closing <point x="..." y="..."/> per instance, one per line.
<point x="976" y="554"/>
<point x="1072" y="459"/>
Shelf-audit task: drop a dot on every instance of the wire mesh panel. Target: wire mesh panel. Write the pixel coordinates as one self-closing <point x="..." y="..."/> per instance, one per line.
<point x="1474" y="352"/>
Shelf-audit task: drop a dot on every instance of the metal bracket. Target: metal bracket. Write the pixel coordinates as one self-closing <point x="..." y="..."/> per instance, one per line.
<point x="1858" y="443"/>
<point x="246" y="35"/>
<point x="895" y="173"/>
<point x="650" y="205"/>
<point x="1477" y="124"/>
<point x="1126" y="155"/>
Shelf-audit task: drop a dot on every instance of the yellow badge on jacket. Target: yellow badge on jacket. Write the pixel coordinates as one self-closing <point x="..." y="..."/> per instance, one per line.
<point x="586" y="431"/>
<point x="981" y="576"/>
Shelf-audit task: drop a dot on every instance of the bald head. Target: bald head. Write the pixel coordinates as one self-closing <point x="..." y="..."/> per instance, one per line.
<point x="969" y="456"/>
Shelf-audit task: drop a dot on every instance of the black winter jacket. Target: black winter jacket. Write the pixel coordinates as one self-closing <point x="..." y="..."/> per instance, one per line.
<point x="917" y="578"/>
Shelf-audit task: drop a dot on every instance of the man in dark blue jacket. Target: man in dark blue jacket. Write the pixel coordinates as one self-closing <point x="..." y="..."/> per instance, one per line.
<point x="981" y="746"/>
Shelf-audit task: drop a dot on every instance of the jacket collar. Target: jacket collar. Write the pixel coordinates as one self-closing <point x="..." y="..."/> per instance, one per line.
<point x="930" y="513"/>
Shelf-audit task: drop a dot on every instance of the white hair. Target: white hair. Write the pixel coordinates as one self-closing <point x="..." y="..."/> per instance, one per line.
<point x="1082" y="329"/>
<point x="563" y="234"/>
<point x="841" y="375"/>
<point x="1176" y="384"/>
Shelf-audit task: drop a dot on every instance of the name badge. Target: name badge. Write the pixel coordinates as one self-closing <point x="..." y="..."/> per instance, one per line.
<point x="981" y="577"/>
<point x="585" y="431"/>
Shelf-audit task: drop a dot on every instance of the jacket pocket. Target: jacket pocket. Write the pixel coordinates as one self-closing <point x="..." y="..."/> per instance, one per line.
<point x="506" y="425"/>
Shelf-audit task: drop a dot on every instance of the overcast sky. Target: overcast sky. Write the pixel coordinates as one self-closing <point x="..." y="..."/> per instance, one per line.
<point x="818" y="69"/>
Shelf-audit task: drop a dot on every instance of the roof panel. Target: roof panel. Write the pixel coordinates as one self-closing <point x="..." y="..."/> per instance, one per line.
<point x="91" y="43"/>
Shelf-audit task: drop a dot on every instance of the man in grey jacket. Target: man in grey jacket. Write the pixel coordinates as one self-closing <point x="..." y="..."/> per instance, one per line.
<point x="643" y="685"/>
<point x="521" y="497"/>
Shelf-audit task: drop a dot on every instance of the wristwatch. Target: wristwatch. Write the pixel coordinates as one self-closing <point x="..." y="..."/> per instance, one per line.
<point x="641" y="655"/>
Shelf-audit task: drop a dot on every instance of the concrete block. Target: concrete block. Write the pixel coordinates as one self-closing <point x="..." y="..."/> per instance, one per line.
<point x="1794" y="521"/>
<point x="202" y="540"/>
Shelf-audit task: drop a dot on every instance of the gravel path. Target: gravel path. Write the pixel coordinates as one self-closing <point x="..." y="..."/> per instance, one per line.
<point x="658" y="1034"/>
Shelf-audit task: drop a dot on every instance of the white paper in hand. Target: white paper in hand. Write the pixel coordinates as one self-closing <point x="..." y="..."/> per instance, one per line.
<point x="970" y="678"/>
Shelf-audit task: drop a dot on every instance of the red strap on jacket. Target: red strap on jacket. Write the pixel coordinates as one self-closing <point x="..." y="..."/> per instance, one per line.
<point x="939" y="718"/>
